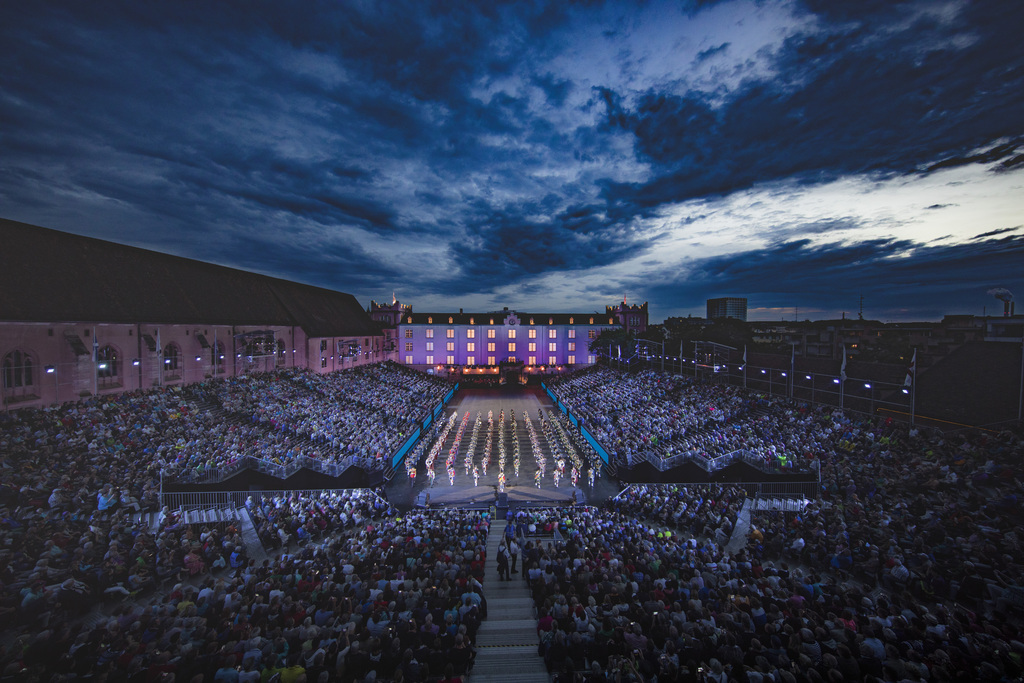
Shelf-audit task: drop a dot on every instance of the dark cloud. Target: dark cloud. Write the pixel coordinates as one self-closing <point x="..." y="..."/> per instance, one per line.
<point x="282" y="139"/>
<point x="845" y="100"/>
<point x="892" y="274"/>
<point x="704" y="55"/>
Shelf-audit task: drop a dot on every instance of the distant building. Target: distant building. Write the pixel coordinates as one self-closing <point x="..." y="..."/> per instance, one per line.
<point x="489" y="339"/>
<point x="728" y="307"/>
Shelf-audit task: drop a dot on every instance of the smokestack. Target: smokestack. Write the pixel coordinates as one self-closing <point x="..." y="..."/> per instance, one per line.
<point x="1006" y="296"/>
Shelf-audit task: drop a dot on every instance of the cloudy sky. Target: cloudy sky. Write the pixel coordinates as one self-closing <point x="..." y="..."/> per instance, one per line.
<point x="545" y="156"/>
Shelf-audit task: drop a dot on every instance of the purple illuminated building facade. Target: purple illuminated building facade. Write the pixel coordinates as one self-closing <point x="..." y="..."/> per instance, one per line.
<point x="539" y="341"/>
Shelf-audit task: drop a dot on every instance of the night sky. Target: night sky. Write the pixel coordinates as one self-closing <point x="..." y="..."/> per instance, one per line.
<point x="546" y="157"/>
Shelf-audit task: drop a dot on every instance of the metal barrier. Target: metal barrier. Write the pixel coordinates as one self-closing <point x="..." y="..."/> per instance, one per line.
<point x="201" y="500"/>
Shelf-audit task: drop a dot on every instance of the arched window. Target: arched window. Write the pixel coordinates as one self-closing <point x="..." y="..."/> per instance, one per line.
<point x="571" y="321"/>
<point x="19" y="375"/>
<point x="280" y="352"/>
<point x="172" y="361"/>
<point x="217" y="359"/>
<point x="108" y="367"/>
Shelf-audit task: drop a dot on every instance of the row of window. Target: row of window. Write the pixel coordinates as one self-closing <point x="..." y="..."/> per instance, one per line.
<point x="19" y="371"/>
<point x="472" y="321"/>
<point x="491" y="346"/>
<point x="491" y="360"/>
<point x="492" y="334"/>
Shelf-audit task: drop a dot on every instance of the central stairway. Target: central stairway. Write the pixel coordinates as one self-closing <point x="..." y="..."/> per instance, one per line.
<point x="507" y="640"/>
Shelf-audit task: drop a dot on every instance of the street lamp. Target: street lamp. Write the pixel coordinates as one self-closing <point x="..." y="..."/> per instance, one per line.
<point x="52" y="370"/>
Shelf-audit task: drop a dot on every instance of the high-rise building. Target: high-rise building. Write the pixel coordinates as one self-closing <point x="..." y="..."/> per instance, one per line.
<point x="728" y="307"/>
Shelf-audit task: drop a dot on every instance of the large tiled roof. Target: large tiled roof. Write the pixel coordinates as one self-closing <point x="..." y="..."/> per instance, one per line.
<point x="52" y="276"/>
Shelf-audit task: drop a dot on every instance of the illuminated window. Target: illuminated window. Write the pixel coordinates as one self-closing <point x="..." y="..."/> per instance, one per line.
<point x="531" y="321"/>
<point x="471" y="322"/>
<point x="611" y="321"/>
<point x="511" y="346"/>
<point x="409" y="320"/>
<point x="572" y="334"/>
<point x="552" y="360"/>
<point x="533" y="334"/>
<point x="430" y="346"/>
<point x="511" y="359"/>
<point x="511" y="334"/>
<point x="490" y="360"/>
<point x="408" y="361"/>
<point x="470" y="334"/>
<point x="533" y="346"/>
<point x="571" y="321"/>
<point x="591" y="359"/>
<point x="430" y="320"/>
<point x="552" y="346"/>
<point x="572" y="360"/>
<point x="491" y="323"/>
<point x="591" y="334"/>
<point x="591" y="320"/>
<point x="408" y="346"/>
<point x="450" y="346"/>
<point x="408" y="334"/>
<point x="450" y="320"/>
<point x="450" y="333"/>
<point x="533" y="360"/>
<point x="490" y="346"/>
<point x="430" y="334"/>
<point x="471" y="346"/>
<point x="491" y="334"/>
<point x="470" y="360"/>
<point x="551" y="321"/>
<point x="552" y="334"/>
<point x="430" y="359"/>
<point x="451" y="360"/>
<point x="572" y="346"/>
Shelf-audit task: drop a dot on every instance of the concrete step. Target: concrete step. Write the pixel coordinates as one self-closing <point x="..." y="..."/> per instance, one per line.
<point x="509" y="662"/>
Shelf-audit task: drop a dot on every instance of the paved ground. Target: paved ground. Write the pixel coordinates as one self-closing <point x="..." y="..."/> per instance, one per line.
<point x="521" y="490"/>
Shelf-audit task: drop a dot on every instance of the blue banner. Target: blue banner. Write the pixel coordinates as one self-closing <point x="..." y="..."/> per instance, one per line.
<point x="575" y="422"/>
<point x="602" y="453"/>
<point x="400" y="455"/>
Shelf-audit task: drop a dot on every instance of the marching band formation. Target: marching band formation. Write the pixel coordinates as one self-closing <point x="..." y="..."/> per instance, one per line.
<point x="570" y="457"/>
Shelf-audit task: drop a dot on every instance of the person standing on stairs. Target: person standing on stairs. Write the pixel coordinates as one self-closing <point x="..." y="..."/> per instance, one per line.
<point x="503" y="574"/>
<point x="513" y="551"/>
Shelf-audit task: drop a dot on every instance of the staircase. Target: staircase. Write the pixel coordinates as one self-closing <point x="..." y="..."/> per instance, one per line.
<point x="507" y="640"/>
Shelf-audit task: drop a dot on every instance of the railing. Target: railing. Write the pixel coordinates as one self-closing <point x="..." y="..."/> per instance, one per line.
<point x="202" y="500"/>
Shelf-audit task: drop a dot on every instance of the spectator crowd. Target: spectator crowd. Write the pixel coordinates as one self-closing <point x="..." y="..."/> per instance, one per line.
<point x="907" y="567"/>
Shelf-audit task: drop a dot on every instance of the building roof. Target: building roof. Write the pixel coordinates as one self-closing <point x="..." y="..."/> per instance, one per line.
<point x="52" y="276"/>
<point x="500" y="316"/>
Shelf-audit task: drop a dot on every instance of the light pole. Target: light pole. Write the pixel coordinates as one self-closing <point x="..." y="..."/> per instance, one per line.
<point x="52" y="370"/>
